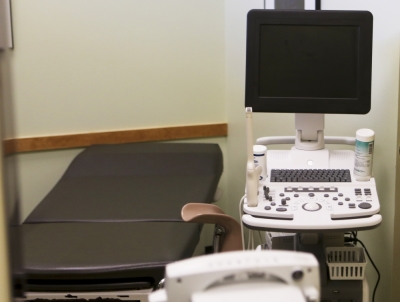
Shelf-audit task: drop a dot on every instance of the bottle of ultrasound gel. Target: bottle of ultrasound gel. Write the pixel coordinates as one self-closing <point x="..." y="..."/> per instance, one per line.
<point x="363" y="156"/>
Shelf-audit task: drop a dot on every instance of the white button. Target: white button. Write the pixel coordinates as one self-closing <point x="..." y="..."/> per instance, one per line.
<point x="294" y="207"/>
<point x="329" y="207"/>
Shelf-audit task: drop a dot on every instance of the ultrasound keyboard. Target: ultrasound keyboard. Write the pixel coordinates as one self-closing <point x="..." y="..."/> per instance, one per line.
<point x="310" y="175"/>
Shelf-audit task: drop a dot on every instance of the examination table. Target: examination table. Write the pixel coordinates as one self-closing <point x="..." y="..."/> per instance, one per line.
<point x="112" y="222"/>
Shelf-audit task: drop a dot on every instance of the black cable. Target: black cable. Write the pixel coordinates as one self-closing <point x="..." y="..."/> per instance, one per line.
<point x="370" y="259"/>
<point x="317" y="4"/>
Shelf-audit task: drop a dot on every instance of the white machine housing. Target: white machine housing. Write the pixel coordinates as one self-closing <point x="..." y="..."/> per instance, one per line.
<point x="242" y="276"/>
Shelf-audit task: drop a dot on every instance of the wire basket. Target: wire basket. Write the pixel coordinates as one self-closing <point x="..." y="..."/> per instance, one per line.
<point x="346" y="263"/>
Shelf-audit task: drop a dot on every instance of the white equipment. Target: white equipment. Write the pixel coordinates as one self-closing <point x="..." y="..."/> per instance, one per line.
<point x="312" y="63"/>
<point x="313" y="204"/>
<point x="276" y="276"/>
<point x="315" y="193"/>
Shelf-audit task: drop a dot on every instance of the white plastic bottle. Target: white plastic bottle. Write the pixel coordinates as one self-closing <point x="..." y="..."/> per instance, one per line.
<point x="259" y="154"/>
<point x="363" y="156"/>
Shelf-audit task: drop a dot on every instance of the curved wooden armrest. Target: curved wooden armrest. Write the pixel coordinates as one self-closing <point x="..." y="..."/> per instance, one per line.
<point x="209" y="213"/>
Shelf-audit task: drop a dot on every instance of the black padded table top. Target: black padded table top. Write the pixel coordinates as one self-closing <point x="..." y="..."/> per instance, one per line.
<point x="113" y="220"/>
<point x="132" y="182"/>
<point x="147" y="159"/>
<point x="93" y="256"/>
<point x="140" y="198"/>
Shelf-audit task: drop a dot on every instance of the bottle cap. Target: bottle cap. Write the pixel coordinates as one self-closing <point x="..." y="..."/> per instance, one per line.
<point x="259" y="149"/>
<point x="365" y="135"/>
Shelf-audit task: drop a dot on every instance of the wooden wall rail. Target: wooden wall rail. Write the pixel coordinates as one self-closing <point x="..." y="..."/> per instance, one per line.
<point x="114" y="137"/>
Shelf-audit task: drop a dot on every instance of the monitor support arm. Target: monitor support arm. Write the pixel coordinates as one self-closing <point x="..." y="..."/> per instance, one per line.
<point x="309" y="131"/>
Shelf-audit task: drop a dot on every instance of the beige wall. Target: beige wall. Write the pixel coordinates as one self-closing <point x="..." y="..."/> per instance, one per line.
<point x="94" y="65"/>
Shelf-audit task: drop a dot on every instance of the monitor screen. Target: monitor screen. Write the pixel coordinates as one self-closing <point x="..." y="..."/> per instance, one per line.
<point x="309" y="61"/>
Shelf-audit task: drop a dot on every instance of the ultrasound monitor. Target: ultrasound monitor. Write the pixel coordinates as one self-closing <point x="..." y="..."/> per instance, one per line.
<point x="309" y="62"/>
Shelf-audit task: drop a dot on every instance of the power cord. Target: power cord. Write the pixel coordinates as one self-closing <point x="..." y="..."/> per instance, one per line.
<point x="355" y="240"/>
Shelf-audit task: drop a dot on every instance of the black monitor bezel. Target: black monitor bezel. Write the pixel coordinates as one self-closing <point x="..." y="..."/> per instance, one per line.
<point x="359" y="105"/>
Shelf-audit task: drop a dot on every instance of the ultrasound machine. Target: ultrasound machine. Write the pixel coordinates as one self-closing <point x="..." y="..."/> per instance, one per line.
<point x="310" y="200"/>
<point x="311" y="63"/>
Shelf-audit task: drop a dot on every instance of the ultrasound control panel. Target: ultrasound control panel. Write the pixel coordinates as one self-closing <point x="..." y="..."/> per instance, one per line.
<point x="340" y="202"/>
<point x="314" y="199"/>
<point x="314" y="206"/>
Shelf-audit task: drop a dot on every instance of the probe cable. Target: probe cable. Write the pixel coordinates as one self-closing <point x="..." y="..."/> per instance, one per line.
<point x="240" y="217"/>
<point x="242" y="229"/>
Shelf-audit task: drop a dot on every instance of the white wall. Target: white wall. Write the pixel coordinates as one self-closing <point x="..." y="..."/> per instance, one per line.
<point x="382" y="118"/>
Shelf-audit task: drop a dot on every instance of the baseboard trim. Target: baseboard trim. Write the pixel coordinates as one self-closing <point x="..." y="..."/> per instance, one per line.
<point x="80" y="140"/>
